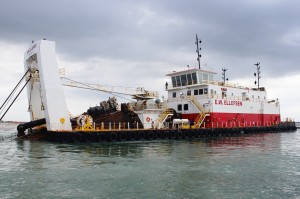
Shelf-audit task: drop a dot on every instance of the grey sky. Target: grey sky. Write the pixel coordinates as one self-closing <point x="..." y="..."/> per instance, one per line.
<point x="136" y="42"/>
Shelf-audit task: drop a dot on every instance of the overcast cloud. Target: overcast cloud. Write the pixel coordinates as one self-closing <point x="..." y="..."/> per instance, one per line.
<point x="136" y="42"/>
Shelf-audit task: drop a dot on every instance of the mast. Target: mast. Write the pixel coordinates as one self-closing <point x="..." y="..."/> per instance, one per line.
<point x="198" y="50"/>
<point x="224" y="74"/>
<point x="258" y="74"/>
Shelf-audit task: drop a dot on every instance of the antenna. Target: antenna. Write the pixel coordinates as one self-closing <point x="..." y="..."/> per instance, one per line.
<point x="257" y="74"/>
<point x="198" y="50"/>
<point x="224" y="75"/>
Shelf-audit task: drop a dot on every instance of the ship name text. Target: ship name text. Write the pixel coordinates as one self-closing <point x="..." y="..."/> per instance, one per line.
<point x="229" y="102"/>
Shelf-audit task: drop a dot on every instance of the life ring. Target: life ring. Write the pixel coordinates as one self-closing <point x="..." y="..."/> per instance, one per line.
<point x="148" y="119"/>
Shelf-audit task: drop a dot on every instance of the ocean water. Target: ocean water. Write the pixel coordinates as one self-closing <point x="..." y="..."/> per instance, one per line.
<point x="251" y="166"/>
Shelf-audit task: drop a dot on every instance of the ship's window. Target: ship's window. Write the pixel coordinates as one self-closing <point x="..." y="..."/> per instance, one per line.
<point x="205" y="77"/>
<point x="205" y="91"/>
<point x="173" y="81"/>
<point x="231" y="94"/>
<point x="224" y="94"/>
<point x="185" y="107"/>
<point x="189" y="92"/>
<point x="253" y="96"/>
<point x="196" y="92"/>
<point x="179" y="107"/>
<point x="194" y="77"/>
<point x="183" y="80"/>
<point x="174" y="95"/>
<point x="210" y="77"/>
<point x="200" y="91"/>
<point x="200" y="78"/>
<point x="178" y="82"/>
<point x="189" y="79"/>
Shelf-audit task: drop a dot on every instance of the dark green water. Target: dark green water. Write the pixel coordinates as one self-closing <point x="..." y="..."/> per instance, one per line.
<point x="256" y="166"/>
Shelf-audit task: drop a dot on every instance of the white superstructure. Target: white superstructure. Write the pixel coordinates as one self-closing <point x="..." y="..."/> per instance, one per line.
<point x="198" y="97"/>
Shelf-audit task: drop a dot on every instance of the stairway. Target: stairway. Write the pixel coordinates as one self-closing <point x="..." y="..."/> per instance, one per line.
<point x="203" y="112"/>
<point x="162" y="117"/>
<point x="197" y="104"/>
<point x="199" y="119"/>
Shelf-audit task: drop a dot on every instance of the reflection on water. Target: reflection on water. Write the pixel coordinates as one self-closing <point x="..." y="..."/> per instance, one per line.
<point x="254" y="166"/>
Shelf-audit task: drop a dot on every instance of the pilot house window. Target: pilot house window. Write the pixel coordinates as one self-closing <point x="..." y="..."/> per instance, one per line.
<point x="194" y="77"/>
<point x="183" y="80"/>
<point x="189" y="79"/>
<point x="173" y="82"/>
<point x="178" y="81"/>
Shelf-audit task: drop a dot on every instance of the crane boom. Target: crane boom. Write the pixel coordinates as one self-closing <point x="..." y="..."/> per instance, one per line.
<point x="138" y="93"/>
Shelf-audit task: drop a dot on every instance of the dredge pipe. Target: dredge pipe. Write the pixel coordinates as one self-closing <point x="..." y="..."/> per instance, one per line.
<point x="22" y="127"/>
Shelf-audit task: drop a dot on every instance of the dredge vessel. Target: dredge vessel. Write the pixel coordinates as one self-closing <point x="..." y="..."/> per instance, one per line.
<point x="197" y="106"/>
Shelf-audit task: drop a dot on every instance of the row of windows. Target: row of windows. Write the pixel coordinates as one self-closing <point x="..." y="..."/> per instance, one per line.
<point x="190" y="78"/>
<point x="203" y="91"/>
<point x="184" y="80"/>
<point x="205" y="77"/>
<point x="185" y="107"/>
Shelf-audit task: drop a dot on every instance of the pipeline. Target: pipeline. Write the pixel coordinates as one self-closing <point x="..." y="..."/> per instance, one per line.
<point x="22" y="127"/>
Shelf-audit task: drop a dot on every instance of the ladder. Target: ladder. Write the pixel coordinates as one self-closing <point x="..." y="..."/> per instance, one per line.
<point x="203" y="112"/>
<point x="162" y="117"/>
<point x="199" y="119"/>
<point x="197" y="104"/>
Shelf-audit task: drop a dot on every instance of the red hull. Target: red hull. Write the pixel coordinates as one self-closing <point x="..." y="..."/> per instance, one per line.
<point x="225" y="120"/>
